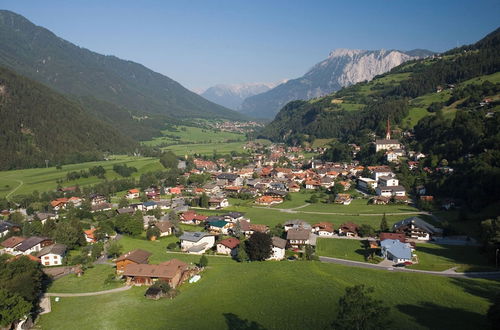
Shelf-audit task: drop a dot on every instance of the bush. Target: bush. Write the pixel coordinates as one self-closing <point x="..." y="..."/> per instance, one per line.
<point x="172" y="246"/>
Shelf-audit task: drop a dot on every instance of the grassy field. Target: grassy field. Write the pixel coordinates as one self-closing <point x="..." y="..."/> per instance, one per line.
<point x="44" y="179"/>
<point x="442" y="257"/>
<point x="280" y="295"/>
<point x="349" y="249"/>
<point x="187" y="134"/>
<point x="92" y="280"/>
<point x="205" y="148"/>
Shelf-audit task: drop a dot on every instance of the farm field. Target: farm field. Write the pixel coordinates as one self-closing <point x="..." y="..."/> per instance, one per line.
<point x="291" y="295"/>
<point x="206" y="148"/>
<point x="92" y="280"/>
<point x="188" y="134"/>
<point x="44" y="179"/>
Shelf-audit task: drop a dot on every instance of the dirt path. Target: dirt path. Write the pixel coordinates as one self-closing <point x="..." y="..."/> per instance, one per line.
<point x="86" y="294"/>
<point x="16" y="188"/>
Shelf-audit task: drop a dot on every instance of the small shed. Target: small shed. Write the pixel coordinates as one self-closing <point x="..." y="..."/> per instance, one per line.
<point x="153" y="293"/>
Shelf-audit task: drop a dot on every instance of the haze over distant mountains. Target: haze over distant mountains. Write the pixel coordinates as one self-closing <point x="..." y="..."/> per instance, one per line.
<point x="343" y="67"/>
<point x="232" y="96"/>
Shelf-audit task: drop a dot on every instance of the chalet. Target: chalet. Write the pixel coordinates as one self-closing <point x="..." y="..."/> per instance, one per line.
<point x="278" y="248"/>
<point x="148" y="220"/>
<point x="196" y="242"/>
<point x="100" y="207"/>
<point x="348" y="229"/>
<point x="52" y="255"/>
<point x="132" y="194"/>
<point x="43" y="216"/>
<point x="165" y="228"/>
<point x="171" y="272"/>
<point x="192" y="218"/>
<point x="416" y="228"/>
<point x="296" y="224"/>
<point x="344" y="199"/>
<point x="90" y="235"/>
<point x="220" y="226"/>
<point x="228" y="246"/>
<point x="394" y="236"/>
<point x="11" y="243"/>
<point x="75" y="201"/>
<point x="293" y="187"/>
<point x="323" y="229"/>
<point x="230" y="179"/>
<point x="59" y="204"/>
<point x="396" y="251"/>
<point x="233" y="216"/>
<point x="268" y="200"/>
<point x="211" y="189"/>
<point x="32" y="244"/>
<point x="96" y="199"/>
<point x="298" y="237"/>
<point x="312" y="184"/>
<point x="380" y="200"/>
<point x="134" y="257"/>
<point x="217" y="203"/>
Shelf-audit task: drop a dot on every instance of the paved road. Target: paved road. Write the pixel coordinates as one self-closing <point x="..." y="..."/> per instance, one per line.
<point x="86" y="294"/>
<point x="446" y="273"/>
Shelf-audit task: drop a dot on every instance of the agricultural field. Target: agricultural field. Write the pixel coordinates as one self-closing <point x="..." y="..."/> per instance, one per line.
<point x="206" y="149"/>
<point x="188" y="134"/>
<point x="18" y="182"/>
<point x="291" y="295"/>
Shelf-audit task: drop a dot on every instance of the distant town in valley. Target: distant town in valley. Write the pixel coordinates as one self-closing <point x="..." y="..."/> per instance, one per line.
<point x="362" y="195"/>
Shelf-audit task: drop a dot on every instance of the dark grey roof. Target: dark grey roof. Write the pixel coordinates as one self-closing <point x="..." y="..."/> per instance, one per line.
<point x="227" y="176"/>
<point x="298" y="223"/>
<point x="298" y="233"/>
<point x="418" y="222"/>
<point x="279" y="242"/>
<point x="5" y="225"/>
<point x="57" y="248"/>
<point x="30" y="242"/>
<point x="193" y="236"/>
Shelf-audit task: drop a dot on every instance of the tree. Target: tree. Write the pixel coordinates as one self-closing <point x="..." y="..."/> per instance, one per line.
<point x="12" y="307"/>
<point x="114" y="249"/>
<point x="169" y="160"/>
<point x="259" y="246"/>
<point x="97" y="249"/>
<point x="313" y="199"/>
<point x="70" y="234"/>
<point x="242" y="254"/>
<point x="237" y="229"/>
<point x="384" y="227"/>
<point x="366" y="230"/>
<point x="204" y="200"/>
<point x="152" y="232"/>
<point x="309" y="252"/>
<point x="203" y="261"/>
<point x="277" y="230"/>
<point x="123" y="202"/>
<point x="358" y="310"/>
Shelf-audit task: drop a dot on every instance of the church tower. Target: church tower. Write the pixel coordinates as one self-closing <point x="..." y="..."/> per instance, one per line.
<point x="388" y="132"/>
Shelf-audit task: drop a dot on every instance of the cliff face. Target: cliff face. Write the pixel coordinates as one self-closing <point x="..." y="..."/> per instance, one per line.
<point x="343" y="67"/>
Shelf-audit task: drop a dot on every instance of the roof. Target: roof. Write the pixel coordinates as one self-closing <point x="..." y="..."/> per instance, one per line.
<point x="349" y="226"/>
<point x="385" y="141"/>
<point x="57" y="248"/>
<point x="193" y="236"/>
<point x="396" y="248"/>
<point x="298" y="233"/>
<point x="244" y="225"/>
<point x="125" y="210"/>
<point x="149" y="203"/>
<point x="137" y="256"/>
<point x="4" y="225"/>
<point x="164" y="226"/>
<point x="326" y="226"/>
<point x="30" y="242"/>
<point x="297" y="223"/>
<point x="90" y="233"/>
<point x="218" y="223"/>
<point x="259" y="228"/>
<point x="12" y="241"/>
<point x="394" y="236"/>
<point x="167" y="269"/>
<point x="133" y="191"/>
<point x="278" y="242"/>
<point x="230" y="242"/>
<point x="418" y="222"/>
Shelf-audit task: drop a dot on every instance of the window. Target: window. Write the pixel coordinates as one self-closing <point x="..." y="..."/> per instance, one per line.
<point x="46" y="257"/>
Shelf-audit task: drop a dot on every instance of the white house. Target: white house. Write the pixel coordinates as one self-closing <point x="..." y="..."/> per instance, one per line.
<point x="366" y="183"/>
<point x="10" y="244"/>
<point x="388" y="181"/>
<point x="387" y="144"/>
<point x="393" y="249"/>
<point x="390" y="191"/>
<point x="324" y="229"/>
<point x="196" y="242"/>
<point x="132" y="193"/>
<point x="228" y="246"/>
<point x="32" y="244"/>
<point x="278" y="249"/>
<point x="52" y="255"/>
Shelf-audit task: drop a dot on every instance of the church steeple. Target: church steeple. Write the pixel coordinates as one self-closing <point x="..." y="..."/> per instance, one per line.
<point x="388" y="132"/>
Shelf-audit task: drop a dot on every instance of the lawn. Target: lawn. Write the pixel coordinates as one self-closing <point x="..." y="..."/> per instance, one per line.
<point x="206" y="148"/>
<point x="92" y="280"/>
<point x="158" y="248"/>
<point x="280" y="295"/>
<point x="44" y="179"/>
<point x="349" y="249"/>
<point x="442" y="257"/>
<point x="188" y="134"/>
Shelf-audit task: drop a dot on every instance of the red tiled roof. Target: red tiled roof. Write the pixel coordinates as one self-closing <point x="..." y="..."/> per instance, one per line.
<point x="230" y="242"/>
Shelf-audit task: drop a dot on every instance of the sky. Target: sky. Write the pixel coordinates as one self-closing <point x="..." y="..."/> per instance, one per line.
<point x="208" y="42"/>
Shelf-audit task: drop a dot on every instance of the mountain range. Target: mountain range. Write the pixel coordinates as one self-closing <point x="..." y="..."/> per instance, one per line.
<point x="342" y="68"/>
<point x="232" y="96"/>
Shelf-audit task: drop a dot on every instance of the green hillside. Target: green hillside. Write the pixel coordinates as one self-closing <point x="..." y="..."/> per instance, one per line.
<point x="37" y="53"/>
<point x="404" y="95"/>
<point x="38" y="124"/>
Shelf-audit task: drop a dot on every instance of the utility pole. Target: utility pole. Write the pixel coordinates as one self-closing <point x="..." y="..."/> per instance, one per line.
<point x="46" y="163"/>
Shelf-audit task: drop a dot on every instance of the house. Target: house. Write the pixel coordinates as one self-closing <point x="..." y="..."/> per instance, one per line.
<point x="293" y="224"/>
<point x="323" y="229"/>
<point x="348" y="229"/>
<point x="233" y="216"/>
<point x="76" y="201"/>
<point x="173" y="272"/>
<point x="388" y="181"/>
<point x="278" y="248"/>
<point x="59" y="204"/>
<point x="396" y="251"/>
<point x="344" y="199"/>
<point x="11" y="243"/>
<point x="220" y="226"/>
<point x="175" y="190"/>
<point x="268" y="200"/>
<point x="100" y="207"/>
<point x="148" y="220"/>
<point x="298" y="237"/>
<point x="43" y="216"/>
<point x="32" y="244"/>
<point x="312" y="184"/>
<point x="132" y="257"/>
<point x="394" y="236"/>
<point x="165" y="228"/>
<point x="293" y="187"/>
<point x="89" y="235"/>
<point x="230" y="179"/>
<point x="380" y="200"/>
<point x="52" y="255"/>
<point x="196" y="242"/>
<point x="149" y="205"/>
<point x="417" y="228"/>
<point x="390" y="191"/>
<point x="228" y="246"/>
<point x="125" y="210"/>
<point x="132" y="194"/>
<point x="96" y="199"/>
<point x="387" y="144"/>
<point x="217" y="203"/>
<point x="6" y="226"/>
<point x="191" y="217"/>
<point x="367" y="184"/>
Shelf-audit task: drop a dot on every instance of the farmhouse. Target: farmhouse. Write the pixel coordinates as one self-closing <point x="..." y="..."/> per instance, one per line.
<point x="132" y="257"/>
<point x="278" y="249"/>
<point x="165" y="228"/>
<point x="294" y="224"/>
<point x="298" y="237"/>
<point x="52" y="255"/>
<point x="191" y="217"/>
<point x="348" y="229"/>
<point x="323" y="229"/>
<point x="228" y="246"/>
<point x="396" y="251"/>
<point x="11" y="243"/>
<point x="196" y="242"/>
<point x="32" y="244"/>
<point x="417" y="228"/>
<point x="171" y="272"/>
<point x="132" y="194"/>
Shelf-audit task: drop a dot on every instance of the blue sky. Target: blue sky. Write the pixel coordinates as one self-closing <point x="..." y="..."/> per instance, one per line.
<point x="203" y="43"/>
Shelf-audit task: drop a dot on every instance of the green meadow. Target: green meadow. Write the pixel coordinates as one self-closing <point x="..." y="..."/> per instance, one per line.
<point x="188" y="134"/>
